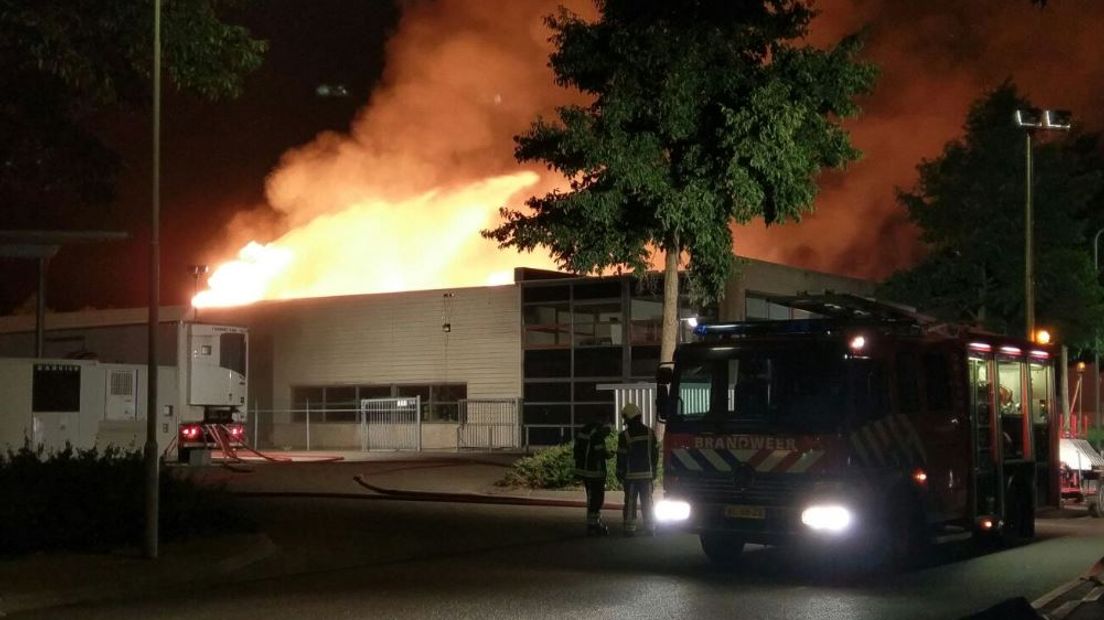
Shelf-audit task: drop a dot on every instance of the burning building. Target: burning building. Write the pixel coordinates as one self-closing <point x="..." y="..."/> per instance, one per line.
<point x="524" y="361"/>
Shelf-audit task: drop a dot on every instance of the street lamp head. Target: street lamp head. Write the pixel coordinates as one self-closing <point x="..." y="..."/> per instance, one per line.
<point x="1057" y="119"/>
<point x="1034" y="118"/>
<point x="197" y="270"/>
<point x="1029" y="117"/>
<point x="1042" y="336"/>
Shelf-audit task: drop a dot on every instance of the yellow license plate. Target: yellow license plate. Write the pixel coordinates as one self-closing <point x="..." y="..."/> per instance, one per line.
<point x="745" y="512"/>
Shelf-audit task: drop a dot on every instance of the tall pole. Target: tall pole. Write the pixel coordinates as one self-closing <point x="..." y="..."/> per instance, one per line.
<point x="1096" y="336"/>
<point x="40" y="307"/>
<point x="154" y="301"/>
<point x="1029" y="266"/>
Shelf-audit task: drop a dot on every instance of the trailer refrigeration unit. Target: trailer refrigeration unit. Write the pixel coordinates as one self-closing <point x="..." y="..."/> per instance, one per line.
<point x="86" y="403"/>
<point x="866" y="428"/>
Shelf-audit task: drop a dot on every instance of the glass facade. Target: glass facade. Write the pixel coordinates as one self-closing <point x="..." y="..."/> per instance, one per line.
<point x="340" y="403"/>
<point x="579" y="333"/>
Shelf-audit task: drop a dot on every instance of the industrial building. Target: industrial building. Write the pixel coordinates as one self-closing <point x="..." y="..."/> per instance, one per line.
<point x="525" y="359"/>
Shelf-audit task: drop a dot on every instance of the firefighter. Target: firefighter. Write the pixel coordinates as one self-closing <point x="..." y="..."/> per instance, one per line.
<point x="637" y="456"/>
<point x="590" y="467"/>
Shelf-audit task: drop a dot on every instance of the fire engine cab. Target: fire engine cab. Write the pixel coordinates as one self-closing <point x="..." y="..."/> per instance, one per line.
<point x="864" y="426"/>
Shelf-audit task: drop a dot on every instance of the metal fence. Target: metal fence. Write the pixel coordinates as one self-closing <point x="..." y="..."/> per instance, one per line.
<point x="489" y="423"/>
<point x="378" y="424"/>
<point x="640" y="394"/>
<point x="391" y="423"/>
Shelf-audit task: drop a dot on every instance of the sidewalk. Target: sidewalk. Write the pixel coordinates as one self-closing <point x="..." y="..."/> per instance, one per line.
<point x="56" y="579"/>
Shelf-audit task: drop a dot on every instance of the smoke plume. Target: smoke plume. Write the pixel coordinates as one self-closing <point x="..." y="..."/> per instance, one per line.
<point x="464" y="76"/>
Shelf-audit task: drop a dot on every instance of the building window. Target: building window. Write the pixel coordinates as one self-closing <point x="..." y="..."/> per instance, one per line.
<point x="597" y="323"/>
<point x="340" y="404"/>
<point x="759" y="309"/>
<point x="56" y="387"/>
<point x="547" y="325"/>
<point x="646" y="325"/>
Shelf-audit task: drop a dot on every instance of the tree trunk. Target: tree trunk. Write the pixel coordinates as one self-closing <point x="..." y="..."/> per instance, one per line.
<point x="670" y="313"/>
<point x="670" y="303"/>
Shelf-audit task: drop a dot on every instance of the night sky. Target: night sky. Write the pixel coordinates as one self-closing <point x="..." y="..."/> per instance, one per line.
<point x="936" y="57"/>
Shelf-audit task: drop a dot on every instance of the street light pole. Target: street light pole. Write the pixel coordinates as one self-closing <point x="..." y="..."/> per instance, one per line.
<point x="1030" y="120"/>
<point x="151" y="451"/>
<point x="1096" y="337"/>
<point x="1029" y="262"/>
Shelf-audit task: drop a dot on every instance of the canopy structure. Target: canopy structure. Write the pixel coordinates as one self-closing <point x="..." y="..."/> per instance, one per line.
<point x="42" y="245"/>
<point x="1078" y="454"/>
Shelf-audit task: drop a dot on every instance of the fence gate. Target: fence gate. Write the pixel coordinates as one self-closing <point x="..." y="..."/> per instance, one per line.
<point x="390" y="424"/>
<point x="489" y="423"/>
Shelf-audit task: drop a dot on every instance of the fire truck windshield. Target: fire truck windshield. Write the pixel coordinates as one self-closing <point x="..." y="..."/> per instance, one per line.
<point x="814" y="389"/>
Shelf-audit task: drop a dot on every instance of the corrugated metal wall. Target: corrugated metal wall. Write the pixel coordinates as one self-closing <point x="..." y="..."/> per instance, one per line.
<point x="399" y="338"/>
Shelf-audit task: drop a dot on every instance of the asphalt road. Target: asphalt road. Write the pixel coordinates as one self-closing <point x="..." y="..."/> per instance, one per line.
<point x="385" y="559"/>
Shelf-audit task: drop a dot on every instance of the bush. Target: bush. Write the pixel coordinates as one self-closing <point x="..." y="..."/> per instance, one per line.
<point x="1096" y="437"/>
<point x="93" y="500"/>
<point x="554" y="468"/>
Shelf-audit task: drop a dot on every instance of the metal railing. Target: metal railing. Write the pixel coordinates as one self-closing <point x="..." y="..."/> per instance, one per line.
<point x="378" y="424"/>
<point x="489" y="423"/>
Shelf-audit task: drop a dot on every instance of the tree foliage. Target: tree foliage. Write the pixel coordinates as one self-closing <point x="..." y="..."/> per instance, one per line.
<point x="969" y="205"/>
<point x="703" y="113"/>
<point x="64" y="61"/>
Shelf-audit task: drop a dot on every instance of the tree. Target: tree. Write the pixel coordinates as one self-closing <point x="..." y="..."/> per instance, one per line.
<point x="703" y="113"/>
<point x="62" y="62"/>
<point x="969" y="205"/>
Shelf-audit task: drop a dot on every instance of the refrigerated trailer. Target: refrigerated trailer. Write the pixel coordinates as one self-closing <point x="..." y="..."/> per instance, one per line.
<point x="88" y="402"/>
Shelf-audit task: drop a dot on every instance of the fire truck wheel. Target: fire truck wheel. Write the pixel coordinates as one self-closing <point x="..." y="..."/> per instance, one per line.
<point x="722" y="548"/>
<point x="182" y="455"/>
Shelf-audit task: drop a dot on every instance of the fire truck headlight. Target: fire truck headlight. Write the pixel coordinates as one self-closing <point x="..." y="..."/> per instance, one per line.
<point x="830" y="518"/>
<point x="671" y="511"/>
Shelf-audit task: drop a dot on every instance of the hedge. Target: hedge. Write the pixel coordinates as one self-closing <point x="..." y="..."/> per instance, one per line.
<point x="90" y="500"/>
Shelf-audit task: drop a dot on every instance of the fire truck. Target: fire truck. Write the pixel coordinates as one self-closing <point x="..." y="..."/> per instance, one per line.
<point x="865" y="426"/>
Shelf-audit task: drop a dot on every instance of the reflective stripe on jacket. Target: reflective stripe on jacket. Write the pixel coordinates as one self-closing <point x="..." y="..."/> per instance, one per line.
<point x="590" y="451"/>
<point x="637" y="453"/>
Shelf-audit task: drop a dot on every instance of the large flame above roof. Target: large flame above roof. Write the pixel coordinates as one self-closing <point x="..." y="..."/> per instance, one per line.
<point x="429" y="241"/>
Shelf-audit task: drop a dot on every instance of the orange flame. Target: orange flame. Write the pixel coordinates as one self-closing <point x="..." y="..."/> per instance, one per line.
<point x="374" y="246"/>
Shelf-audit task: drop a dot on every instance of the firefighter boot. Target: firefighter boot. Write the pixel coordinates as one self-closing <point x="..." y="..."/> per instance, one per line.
<point x="597" y="529"/>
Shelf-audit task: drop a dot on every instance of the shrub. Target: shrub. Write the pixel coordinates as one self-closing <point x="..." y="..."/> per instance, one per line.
<point x="1096" y="437"/>
<point x="554" y="468"/>
<point x="551" y="468"/>
<point x="94" y="500"/>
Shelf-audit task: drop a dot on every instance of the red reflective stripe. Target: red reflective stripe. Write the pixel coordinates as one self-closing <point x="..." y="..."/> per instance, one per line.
<point x="786" y="463"/>
<point x="759" y="457"/>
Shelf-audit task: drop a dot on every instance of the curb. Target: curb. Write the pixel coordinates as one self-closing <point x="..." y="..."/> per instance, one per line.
<point x="259" y="549"/>
<point x="1091" y="578"/>
<point x="475" y="498"/>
